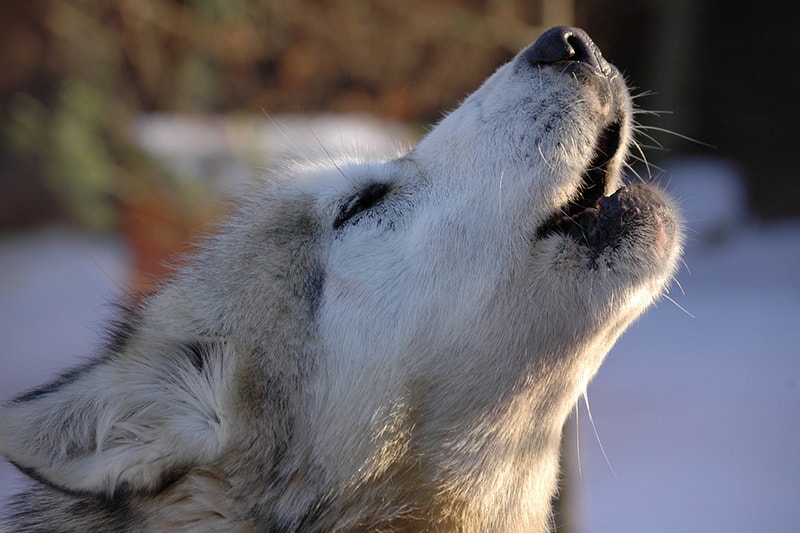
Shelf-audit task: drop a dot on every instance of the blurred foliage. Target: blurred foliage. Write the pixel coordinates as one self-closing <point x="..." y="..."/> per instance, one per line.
<point x="77" y="72"/>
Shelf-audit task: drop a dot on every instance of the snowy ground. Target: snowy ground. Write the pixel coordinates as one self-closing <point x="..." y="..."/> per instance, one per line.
<point x="698" y="415"/>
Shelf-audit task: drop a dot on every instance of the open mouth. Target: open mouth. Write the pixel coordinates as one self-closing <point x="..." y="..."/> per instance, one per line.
<point x="576" y="217"/>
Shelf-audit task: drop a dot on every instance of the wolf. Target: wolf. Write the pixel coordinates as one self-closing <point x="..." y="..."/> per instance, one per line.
<point x="389" y="345"/>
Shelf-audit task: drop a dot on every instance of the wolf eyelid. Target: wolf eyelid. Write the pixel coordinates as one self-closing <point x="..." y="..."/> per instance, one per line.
<point x="365" y="199"/>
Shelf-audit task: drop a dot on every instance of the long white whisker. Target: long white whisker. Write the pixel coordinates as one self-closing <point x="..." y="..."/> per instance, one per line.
<point x="639" y="129"/>
<point x="578" y="440"/>
<point x="643" y="94"/>
<point x="644" y="160"/>
<point x="680" y="287"/>
<point x="651" y="112"/>
<point x="653" y="147"/>
<point x="327" y="153"/>
<point x="679" y="306"/>
<point x="648" y="164"/>
<point x="597" y="435"/>
<point x="676" y="134"/>
<point x="634" y="171"/>
<point x="298" y="152"/>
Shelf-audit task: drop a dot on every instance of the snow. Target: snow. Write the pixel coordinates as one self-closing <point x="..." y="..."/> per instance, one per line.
<point x="696" y="408"/>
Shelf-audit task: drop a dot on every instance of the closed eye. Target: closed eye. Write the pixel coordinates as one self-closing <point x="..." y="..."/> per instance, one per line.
<point x="365" y="199"/>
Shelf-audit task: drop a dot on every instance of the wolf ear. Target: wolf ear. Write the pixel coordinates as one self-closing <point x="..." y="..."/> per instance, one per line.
<point x="130" y="421"/>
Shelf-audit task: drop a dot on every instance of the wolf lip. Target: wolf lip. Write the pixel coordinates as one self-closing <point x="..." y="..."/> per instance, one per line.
<point x="575" y="213"/>
<point x="605" y="225"/>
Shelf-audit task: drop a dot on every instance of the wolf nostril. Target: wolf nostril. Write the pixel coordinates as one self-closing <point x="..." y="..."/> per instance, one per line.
<point x="565" y="43"/>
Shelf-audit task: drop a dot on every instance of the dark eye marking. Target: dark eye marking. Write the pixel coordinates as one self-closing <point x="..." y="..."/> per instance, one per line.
<point x="365" y="199"/>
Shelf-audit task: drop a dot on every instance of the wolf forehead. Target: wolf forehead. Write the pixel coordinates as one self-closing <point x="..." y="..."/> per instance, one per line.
<point x="288" y="222"/>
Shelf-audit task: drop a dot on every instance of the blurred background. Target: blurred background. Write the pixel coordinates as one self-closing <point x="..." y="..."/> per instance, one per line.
<point x="126" y="125"/>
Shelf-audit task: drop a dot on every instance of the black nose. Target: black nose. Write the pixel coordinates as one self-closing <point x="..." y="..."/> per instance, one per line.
<point x="565" y="43"/>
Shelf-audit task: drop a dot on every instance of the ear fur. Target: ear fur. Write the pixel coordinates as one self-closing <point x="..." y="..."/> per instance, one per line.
<point x="131" y="420"/>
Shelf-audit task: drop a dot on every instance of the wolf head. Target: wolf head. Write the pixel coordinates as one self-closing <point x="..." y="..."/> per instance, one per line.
<point x="390" y="344"/>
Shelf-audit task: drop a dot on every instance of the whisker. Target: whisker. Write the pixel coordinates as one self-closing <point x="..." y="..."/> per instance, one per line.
<point x="651" y="112"/>
<point x="654" y="147"/>
<point x="676" y="134"/>
<point x="597" y="435"/>
<point x="679" y="306"/>
<point x="680" y="287"/>
<point x="639" y="130"/>
<point x="578" y="440"/>
<point x="650" y="165"/>
<point x="635" y="172"/>
<point x="644" y="159"/>
<point x="327" y="153"/>
<point x="643" y="94"/>
<point x="296" y="149"/>
<point x="686" y="266"/>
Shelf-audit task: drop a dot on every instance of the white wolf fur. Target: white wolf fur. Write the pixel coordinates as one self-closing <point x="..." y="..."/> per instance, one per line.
<point x="388" y="346"/>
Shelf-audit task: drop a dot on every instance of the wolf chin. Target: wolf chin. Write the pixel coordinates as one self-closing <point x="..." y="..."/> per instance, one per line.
<point x="372" y="346"/>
